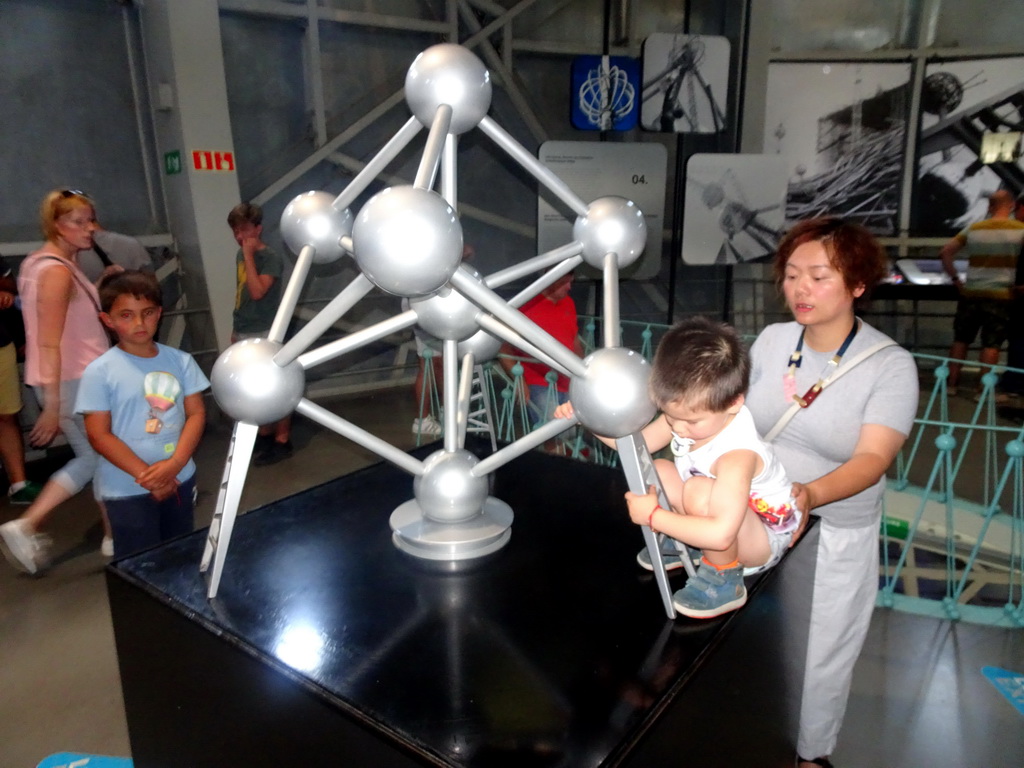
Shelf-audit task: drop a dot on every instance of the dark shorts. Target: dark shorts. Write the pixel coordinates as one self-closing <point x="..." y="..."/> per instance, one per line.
<point x="990" y="316"/>
<point x="140" y="522"/>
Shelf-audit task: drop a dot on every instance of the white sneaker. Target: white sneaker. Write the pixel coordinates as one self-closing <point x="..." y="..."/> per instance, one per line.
<point x="428" y="425"/>
<point x="26" y="551"/>
<point x="107" y="547"/>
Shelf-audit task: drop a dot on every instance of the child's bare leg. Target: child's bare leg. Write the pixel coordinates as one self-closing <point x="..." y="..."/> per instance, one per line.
<point x="671" y="482"/>
<point x="697" y="501"/>
<point x="750" y="547"/>
<point x="697" y="496"/>
<point x="753" y="547"/>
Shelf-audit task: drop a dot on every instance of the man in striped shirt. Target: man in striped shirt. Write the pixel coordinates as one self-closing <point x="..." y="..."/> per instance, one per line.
<point x="986" y="292"/>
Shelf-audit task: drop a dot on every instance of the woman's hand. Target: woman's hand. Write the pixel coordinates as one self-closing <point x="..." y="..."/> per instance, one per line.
<point x="802" y="497"/>
<point x="46" y="428"/>
<point x="113" y="269"/>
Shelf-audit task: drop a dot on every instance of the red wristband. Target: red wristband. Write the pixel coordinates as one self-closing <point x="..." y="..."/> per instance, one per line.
<point x="650" y="517"/>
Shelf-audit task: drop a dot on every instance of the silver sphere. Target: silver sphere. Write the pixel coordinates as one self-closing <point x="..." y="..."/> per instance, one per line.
<point x="611" y="399"/>
<point x="311" y="219"/>
<point x="407" y="241"/>
<point x="482" y="345"/>
<point x="448" y="314"/>
<point x="447" y="491"/>
<point x="250" y="387"/>
<point x="453" y="75"/>
<point x="612" y="225"/>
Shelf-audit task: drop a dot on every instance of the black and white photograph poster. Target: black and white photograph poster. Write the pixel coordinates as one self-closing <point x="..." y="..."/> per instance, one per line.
<point x="841" y="128"/>
<point x="685" y="83"/>
<point x="960" y="102"/>
<point x="734" y="208"/>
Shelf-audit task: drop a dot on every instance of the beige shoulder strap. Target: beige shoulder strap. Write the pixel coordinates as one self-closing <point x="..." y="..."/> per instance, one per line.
<point x="843" y="369"/>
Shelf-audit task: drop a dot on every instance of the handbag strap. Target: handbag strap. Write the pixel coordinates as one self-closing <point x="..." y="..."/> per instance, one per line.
<point x="101" y="253"/>
<point x="75" y="276"/>
<point x="850" y="364"/>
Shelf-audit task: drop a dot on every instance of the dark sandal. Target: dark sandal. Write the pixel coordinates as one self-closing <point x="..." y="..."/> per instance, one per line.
<point x="824" y="762"/>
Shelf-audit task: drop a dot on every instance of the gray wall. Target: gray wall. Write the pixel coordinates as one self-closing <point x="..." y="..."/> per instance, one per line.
<point x="70" y="115"/>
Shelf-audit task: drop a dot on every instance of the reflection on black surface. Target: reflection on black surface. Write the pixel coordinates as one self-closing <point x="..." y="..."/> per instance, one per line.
<point x="552" y="651"/>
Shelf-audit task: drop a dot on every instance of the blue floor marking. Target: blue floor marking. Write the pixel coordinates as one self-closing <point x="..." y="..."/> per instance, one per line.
<point x="1010" y="684"/>
<point x="79" y="760"/>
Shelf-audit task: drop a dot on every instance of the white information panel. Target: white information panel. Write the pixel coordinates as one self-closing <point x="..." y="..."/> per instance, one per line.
<point x="592" y="169"/>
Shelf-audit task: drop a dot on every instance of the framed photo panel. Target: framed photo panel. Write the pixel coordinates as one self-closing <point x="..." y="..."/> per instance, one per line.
<point x="961" y="101"/>
<point x="841" y="128"/>
<point x="734" y="208"/>
<point x="686" y="83"/>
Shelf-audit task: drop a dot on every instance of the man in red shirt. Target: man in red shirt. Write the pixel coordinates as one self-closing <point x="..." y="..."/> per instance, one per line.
<point x="554" y="311"/>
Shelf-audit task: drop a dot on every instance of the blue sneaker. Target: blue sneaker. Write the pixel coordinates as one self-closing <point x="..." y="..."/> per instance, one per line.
<point x="670" y="556"/>
<point x="711" y="593"/>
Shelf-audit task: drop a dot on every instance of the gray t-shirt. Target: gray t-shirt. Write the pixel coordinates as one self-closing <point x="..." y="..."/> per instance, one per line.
<point x="882" y="389"/>
<point x="123" y="250"/>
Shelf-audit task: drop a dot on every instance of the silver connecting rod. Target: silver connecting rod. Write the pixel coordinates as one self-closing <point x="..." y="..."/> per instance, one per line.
<point x="325" y="318"/>
<point x="542" y="282"/>
<point x="503" y="332"/>
<point x="537" y="263"/>
<point x="450" y="171"/>
<point x="431" y="159"/>
<point x="528" y="442"/>
<point x="518" y="322"/>
<point x="357" y="339"/>
<point x="360" y="436"/>
<point x="373" y="169"/>
<point x="465" y="393"/>
<point x="450" y="366"/>
<point x="539" y="171"/>
<point x="291" y="294"/>
<point x="612" y="332"/>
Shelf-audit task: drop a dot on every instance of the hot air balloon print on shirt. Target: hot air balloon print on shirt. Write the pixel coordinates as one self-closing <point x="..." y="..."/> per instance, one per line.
<point x="162" y="392"/>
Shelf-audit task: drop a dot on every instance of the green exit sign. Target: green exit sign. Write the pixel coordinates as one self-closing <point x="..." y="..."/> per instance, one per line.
<point x="172" y="162"/>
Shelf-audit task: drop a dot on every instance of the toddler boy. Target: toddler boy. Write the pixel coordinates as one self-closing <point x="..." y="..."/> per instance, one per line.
<point x="728" y="493"/>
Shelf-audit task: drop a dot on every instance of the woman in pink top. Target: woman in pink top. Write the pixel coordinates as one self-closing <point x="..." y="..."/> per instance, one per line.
<point x="63" y="335"/>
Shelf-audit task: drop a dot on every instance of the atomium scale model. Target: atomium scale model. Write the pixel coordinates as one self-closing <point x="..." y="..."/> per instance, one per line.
<point x="407" y="241"/>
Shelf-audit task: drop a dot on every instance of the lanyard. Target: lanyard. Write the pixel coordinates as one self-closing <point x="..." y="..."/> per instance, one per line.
<point x="826" y="374"/>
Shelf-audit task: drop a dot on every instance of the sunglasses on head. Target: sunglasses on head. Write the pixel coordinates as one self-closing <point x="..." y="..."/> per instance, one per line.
<point x="65" y="193"/>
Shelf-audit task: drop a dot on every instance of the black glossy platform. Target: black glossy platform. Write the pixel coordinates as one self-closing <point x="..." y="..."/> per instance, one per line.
<point x="327" y="646"/>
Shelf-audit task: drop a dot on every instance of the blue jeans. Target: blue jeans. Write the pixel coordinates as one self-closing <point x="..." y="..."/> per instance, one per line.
<point x="140" y="522"/>
<point x="543" y="409"/>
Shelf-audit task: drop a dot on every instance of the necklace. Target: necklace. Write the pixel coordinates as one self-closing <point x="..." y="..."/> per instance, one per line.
<point x="789" y="378"/>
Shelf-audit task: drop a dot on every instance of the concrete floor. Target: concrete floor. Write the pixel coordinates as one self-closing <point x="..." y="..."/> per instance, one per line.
<point x="919" y="697"/>
<point x="59" y="683"/>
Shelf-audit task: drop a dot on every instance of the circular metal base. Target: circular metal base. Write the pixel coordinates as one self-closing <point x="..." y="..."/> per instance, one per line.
<point x="480" y="535"/>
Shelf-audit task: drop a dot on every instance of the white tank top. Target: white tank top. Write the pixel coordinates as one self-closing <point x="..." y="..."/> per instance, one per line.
<point x="770" y="490"/>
